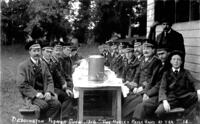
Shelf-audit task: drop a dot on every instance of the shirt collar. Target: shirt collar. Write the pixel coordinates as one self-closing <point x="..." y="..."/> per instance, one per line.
<point x="169" y="30"/>
<point x="139" y="56"/>
<point x="173" y="69"/>
<point x="45" y="59"/>
<point x="34" y="61"/>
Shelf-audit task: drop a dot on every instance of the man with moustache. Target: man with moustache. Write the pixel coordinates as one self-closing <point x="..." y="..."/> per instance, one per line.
<point x="170" y="38"/>
<point x="118" y="60"/>
<point x="144" y="79"/>
<point x="134" y="64"/>
<point x="146" y="109"/>
<point x="60" y="83"/>
<point x="36" y="83"/>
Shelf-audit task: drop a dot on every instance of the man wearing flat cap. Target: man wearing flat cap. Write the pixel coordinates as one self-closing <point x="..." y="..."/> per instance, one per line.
<point x="170" y="38"/>
<point x="36" y="83"/>
<point x="134" y="64"/>
<point x="60" y="82"/>
<point x="144" y="79"/>
<point x="127" y="72"/>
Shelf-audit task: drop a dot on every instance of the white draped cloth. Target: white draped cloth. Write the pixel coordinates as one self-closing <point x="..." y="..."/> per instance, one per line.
<point x="80" y="79"/>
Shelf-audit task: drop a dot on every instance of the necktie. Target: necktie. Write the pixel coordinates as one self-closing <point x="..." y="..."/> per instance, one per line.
<point x="176" y="72"/>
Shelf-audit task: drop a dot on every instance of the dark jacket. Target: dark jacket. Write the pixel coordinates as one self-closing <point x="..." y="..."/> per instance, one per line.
<point x="66" y="64"/>
<point x="147" y="72"/>
<point x="58" y="79"/>
<point x="75" y="59"/>
<point x="173" y="41"/>
<point x="175" y="87"/>
<point x="154" y="91"/>
<point x="26" y="79"/>
<point x="130" y="70"/>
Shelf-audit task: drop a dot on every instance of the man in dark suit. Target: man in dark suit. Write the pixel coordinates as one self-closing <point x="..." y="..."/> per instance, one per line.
<point x="36" y="83"/>
<point x="67" y="64"/>
<point x="127" y="73"/>
<point x="146" y="109"/>
<point x="178" y="88"/>
<point x="64" y="87"/>
<point x="144" y="79"/>
<point x="170" y="38"/>
<point x="60" y="84"/>
<point x="134" y="65"/>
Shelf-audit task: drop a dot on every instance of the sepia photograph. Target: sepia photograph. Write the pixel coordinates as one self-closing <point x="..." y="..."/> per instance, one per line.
<point x="100" y="62"/>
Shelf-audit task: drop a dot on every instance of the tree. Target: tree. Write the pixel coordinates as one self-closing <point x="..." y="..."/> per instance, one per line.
<point x="118" y="16"/>
<point x="14" y="20"/>
<point x="48" y="17"/>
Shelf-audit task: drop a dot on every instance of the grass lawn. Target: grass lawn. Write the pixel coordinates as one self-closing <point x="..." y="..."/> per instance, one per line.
<point x="11" y="99"/>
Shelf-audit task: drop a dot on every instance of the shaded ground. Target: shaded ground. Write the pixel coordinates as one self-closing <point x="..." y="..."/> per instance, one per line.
<point x="10" y="99"/>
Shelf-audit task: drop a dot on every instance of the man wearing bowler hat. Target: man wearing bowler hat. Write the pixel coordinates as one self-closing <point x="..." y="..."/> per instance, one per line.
<point x="36" y="83"/>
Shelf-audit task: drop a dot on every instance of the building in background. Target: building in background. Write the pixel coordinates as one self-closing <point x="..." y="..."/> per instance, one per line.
<point x="186" y="17"/>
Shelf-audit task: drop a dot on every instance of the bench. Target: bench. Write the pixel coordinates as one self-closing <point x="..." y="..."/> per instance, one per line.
<point x="176" y="112"/>
<point x="29" y="111"/>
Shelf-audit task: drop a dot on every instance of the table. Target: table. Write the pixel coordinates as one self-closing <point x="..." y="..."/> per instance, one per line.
<point x="110" y="83"/>
<point x="116" y="101"/>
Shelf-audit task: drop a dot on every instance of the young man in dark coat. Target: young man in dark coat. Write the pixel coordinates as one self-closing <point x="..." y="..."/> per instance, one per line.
<point x="36" y="83"/>
<point x="178" y="88"/>
<point x="144" y="79"/>
<point x="146" y="109"/>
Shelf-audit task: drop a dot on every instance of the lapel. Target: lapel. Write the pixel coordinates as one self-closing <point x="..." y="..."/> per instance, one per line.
<point x="147" y="63"/>
<point x="172" y="74"/>
<point x="179" y="76"/>
<point x="31" y="73"/>
<point x="30" y="66"/>
<point x="136" y="61"/>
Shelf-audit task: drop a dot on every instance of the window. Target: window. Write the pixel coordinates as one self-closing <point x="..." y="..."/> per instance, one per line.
<point x="177" y="10"/>
<point x="182" y="10"/>
<point x="195" y="9"/>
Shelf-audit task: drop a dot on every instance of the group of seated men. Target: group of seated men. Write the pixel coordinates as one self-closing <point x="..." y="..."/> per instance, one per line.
<point x="45" y="79"/>
<point x="156" y="79"/>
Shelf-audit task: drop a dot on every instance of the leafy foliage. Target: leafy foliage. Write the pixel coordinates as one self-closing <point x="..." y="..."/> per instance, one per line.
<point x="48" y="17"/>
<point x="52" y="19"/>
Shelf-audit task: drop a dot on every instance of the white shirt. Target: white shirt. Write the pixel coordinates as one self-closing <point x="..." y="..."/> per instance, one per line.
<point x="34" y="61"/>
<point x="173" y="69"/>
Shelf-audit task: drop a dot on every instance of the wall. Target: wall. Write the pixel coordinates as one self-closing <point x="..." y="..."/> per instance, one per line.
<point x="191" y="34"/>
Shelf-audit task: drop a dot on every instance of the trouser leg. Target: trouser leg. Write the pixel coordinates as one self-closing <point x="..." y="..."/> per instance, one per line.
<point x="53" y="110"/>
<point x="146" y="109"/>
